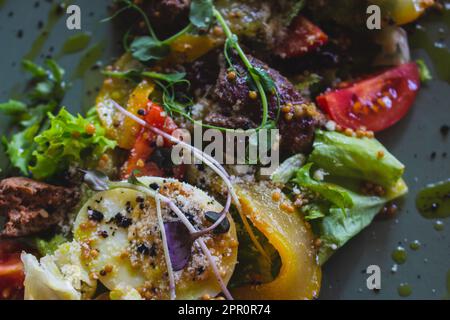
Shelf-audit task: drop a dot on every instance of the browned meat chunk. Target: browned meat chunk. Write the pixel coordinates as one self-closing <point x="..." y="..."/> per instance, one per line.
<point x="237" y="109"/>
<point x="32" y="207"/>
<point x="168" y="15"/>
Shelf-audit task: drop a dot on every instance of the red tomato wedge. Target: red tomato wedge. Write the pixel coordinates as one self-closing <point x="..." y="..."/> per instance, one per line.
<point x="376" y="103"/>
<point x="303" y="36"/>
<point x="11" y="270"/>
<point x="146" y="145"/>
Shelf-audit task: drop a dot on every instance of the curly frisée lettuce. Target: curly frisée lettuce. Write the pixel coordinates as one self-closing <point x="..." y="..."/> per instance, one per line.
<point x="43" y="95"/>
<point x="70" y="140"/>
<point x="337" y="210"/>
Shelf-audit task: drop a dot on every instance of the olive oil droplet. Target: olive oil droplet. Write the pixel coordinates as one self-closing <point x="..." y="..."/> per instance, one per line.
<point x="438" y="225"/>
<point x="404" y="290"/>
<point x="399" y="255"/>
<point x="415" y="245"/>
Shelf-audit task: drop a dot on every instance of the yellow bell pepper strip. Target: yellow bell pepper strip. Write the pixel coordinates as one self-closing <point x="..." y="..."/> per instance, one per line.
<point x="300" y="275"/>
<point x="190" y="47"/>
<point x="118" y="90"/>
<point x="138" y="100"/>
<point x="120" y="128"/>
<point x="404" y="11"/>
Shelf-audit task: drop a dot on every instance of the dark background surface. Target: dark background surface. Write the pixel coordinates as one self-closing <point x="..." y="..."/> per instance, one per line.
<point x="413" y="141"/>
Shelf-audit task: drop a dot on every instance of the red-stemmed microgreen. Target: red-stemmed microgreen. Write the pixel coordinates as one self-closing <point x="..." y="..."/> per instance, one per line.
<point x="210" y="162"/>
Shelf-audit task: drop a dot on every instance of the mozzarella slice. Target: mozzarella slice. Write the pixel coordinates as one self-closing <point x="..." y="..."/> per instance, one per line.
<point x="121" y="241"/>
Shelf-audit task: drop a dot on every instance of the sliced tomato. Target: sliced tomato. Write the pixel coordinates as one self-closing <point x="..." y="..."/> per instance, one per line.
<point x="303" y="37"/>
<point x="376" y="103"/>
<point x="11" y="270"/>
<point x="146" y="144"/>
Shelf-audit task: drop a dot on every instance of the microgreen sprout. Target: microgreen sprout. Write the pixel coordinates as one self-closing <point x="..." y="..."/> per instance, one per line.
<point x="210" y="162"/>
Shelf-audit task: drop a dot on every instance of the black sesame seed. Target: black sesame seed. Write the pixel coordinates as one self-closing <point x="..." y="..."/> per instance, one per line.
<point x="128" y="207"/>
<point x="95" y="215"/>
<point x="122" y="222"/>
<point x="143" y="249"/>
<point x="152" y="252"/>
<point x="200" y="270"/>
<point x="154" y="186"/>
<point x="103" y="234"/>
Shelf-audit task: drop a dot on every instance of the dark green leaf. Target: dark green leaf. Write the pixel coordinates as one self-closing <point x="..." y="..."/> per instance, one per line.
<point x="137" y="75"/>
<point x="37" y="114"/>
<point x="13" y="107"/>
<point x="266" y="80"/>
<point x="169" y="77"/>
<point x="147" y="49"/>
<point x="20" y="148"/>
<point x="34" y="69"/>
<point x="57" y="73"/>
<point x="133" y="75"/>
<point x="201" y="14"/>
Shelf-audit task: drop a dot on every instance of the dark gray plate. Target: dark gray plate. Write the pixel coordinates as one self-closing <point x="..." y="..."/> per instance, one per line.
<point x="413" y="141"/>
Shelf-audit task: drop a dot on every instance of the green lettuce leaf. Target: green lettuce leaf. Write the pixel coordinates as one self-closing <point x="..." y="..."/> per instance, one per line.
<point x="288" y="169"/>
<point x="336" y="229"/>
<point x="357" y="158"/>
<point x="67" y="143"/>
<point x="44" y="95"/>
<point x="340" y="213"/>
<point x="331" y="192"/>
<point x="48" y="247"/>
<point x="337" y="210"/>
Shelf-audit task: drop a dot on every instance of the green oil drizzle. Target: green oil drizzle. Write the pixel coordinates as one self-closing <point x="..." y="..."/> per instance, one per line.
<point x="88" y="60"/>
<point x="52" y="19"/>
<point x="415" y="245"/>
<point x="76" y="43"/>
<point x="438" y="225"/>
<point x="399" y="255"/>
<point x="439" y="54"/>
<point x="404" y="290"/>
<point x="433" y="202"/>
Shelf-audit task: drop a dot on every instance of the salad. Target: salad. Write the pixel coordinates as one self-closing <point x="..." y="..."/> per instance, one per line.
<point x="94" y="205"/>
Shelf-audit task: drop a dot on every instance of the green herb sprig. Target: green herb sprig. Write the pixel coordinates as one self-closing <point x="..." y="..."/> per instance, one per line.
<point x="149" y="49"/>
